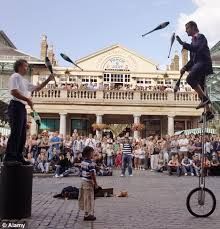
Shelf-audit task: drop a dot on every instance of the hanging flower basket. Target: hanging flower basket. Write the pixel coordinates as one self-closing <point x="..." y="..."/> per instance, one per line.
<point x="138" y="127"/>
<point x="99" y="126"/>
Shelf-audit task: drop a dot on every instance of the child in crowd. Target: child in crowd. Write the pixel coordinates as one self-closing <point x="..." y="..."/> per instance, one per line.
<point x="86" y="195"/>
<point x="118" y="159"/>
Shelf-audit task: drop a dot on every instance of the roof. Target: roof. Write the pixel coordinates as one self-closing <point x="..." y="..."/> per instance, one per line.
<point x="4" y="40"/>
<point x="110" y="48"/>
<point x="9" y="53"/>
<point x="215" y="48"/>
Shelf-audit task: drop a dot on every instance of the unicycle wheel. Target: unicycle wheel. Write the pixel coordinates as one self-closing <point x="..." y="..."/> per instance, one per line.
<point x="201" y="202"/>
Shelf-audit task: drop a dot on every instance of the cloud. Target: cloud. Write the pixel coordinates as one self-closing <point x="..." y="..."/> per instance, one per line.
<point x="207" y="17"/>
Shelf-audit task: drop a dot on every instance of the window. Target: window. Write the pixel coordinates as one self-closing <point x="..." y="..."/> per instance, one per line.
<point x="160" y="82"/>
<point x="147" y="81"/>
<point x="50" y="124"/>
<point x="63" y="78"/>
<point x="72" y="78"/>
<point x="82" y="126"/>
<point x="168" y="82"/>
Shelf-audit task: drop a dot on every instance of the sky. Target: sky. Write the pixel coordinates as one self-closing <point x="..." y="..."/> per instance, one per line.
<point x="79" y="28"/>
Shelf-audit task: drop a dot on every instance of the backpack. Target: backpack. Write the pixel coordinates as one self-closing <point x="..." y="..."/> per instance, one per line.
<point x="68" y="192"/>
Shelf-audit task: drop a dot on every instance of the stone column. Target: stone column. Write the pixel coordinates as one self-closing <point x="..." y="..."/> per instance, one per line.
<point x="99" y="121"/>
<point x="171" y="125"/>
<point x="137" y="121"/>
<point x="63" y="123"/>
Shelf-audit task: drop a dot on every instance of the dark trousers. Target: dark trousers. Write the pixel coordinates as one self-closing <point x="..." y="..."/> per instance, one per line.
<point x="17" y="115"/>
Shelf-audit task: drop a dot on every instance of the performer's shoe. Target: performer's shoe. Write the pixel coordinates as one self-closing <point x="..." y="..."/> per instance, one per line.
<point x="204" y="102"/>
<point x="209" y="116"/>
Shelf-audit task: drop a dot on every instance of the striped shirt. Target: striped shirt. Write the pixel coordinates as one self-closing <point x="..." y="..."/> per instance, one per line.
<point x="87" y="167"/>
<point x="127" y="149"/>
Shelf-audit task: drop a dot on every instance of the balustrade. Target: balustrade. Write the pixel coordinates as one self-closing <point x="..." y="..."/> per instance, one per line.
<point x="129" y="96"/>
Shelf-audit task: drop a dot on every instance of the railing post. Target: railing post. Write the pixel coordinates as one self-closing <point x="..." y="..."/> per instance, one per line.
<point x="137" y="95"/>
<point x="170" y="96"/>
<point x="99" y="95"/>
<point x="63" y="94"/>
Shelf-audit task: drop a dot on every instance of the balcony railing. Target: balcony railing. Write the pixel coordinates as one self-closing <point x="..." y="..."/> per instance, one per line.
<point x="128" y="97"/>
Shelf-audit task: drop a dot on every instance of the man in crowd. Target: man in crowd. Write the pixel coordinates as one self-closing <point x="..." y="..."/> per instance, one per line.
<point x="126" y="157"/>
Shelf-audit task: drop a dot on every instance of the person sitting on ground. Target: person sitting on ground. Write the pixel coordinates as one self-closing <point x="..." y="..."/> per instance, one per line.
<point x="196" y="164"/>
<point x="161" y="162"/>
<point x="187" y="165"/>
<point x="215" y="165"/>
<point x="76" y="170"/>
<point x="30" y="158"/>
<point x="174" y="165"/>
<point x="207" y="165"/>
<point x="42" y="162"/>
<point x="54" y="160"/>
<point x="61" y="166"/>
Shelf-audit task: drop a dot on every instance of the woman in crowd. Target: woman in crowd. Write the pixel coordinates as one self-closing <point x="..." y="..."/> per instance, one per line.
<point x="136" y="156"/>
<point x="155" y="155"/>
<point x="174" y="165"/>
<point x="110" y="153"/>
<point x="141" y="158"/>
<point x="30" y="158"/>
<point x="33" y="146"/>
<point x="67" y="144"/>
<point x="42" y="162"/>
<point x="44" y="141"/>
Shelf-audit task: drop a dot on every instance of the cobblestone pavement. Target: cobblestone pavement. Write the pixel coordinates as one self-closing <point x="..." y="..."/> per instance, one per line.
<point x="155" y="201"/>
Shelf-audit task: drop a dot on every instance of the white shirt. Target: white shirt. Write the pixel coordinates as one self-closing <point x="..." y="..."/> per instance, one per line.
<point x="185" y="142"/>
<point x="90" y="142"/>
<point x="24" y="87"/>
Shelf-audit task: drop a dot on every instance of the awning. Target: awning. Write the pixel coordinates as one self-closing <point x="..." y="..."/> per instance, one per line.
<point x="196" y="131"/>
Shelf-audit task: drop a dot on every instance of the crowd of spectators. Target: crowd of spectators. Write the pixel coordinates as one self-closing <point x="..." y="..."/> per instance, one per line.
<point x="180" y="154"/>
<point x="112" y="86"/>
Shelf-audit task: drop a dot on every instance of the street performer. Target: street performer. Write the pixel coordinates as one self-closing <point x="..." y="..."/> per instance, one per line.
<point x="199" y="65"/>
<point x="21" y="90"/>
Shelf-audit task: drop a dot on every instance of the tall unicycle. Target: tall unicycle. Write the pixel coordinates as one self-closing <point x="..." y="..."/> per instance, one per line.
<point x="201" y="201"/>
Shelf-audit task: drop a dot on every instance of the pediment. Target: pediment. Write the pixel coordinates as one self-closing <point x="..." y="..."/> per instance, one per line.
<point x="116" y="57"/>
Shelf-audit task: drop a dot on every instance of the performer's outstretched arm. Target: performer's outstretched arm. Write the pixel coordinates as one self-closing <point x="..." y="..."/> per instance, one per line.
<point x="39" y="87"/>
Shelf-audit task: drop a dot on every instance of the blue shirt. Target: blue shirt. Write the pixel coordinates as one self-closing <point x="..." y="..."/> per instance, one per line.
<point x="55" y="139"/>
